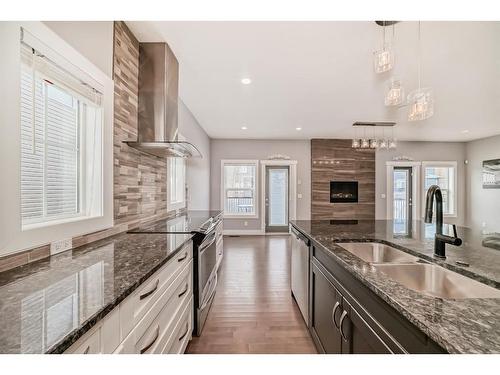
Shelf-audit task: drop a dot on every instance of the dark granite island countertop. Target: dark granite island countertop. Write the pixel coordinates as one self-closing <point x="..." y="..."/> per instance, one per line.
<point x="458" y="325"/>
<point x="47" y="305"/>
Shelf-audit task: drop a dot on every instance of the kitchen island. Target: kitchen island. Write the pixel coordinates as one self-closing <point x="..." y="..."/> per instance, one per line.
<point x="397" y="318"/>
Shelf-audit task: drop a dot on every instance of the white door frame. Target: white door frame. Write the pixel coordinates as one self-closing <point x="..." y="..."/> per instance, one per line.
<point x="416" y="187"/>
<point x="292" y="193"/>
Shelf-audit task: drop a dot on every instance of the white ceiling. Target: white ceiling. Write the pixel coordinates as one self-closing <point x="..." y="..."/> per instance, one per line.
<point x="319" y="76"/>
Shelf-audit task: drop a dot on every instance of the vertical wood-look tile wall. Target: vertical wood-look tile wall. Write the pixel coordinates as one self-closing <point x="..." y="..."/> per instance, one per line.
<point x="335" y="160"/>
<point x="140" y="180"/>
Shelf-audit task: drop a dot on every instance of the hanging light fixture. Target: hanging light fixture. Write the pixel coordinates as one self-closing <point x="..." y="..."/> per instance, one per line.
<point x="395" y="93"/>
<point x="421" y="100"/>
<point x="355" y="140"/>
<point x="383" y="60"/>
<point x="374" y="142"/>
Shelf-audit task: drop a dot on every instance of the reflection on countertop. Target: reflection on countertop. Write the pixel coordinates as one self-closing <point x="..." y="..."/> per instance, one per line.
<point x="47" y="305"/>
<point x="458" y="325"/>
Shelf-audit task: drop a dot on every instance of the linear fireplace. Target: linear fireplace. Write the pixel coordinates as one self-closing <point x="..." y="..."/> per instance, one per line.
<point x="343" y="191"/>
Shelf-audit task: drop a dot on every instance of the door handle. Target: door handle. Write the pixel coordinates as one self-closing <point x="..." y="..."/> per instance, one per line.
<point x="147" y="294"/>
<point x="184" y="257"/>
<point x="344" y="314"/>
<point x="337" y="305"/>
<point x="184" y="291"/>
<point x="185" y="333"/>
<point x="145" y="349"/>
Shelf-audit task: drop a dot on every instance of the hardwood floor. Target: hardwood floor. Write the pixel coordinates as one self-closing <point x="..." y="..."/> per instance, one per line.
<point x="253" y="310"/>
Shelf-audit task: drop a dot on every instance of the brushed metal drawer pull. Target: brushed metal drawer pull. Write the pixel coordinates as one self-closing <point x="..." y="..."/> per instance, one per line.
<point x="344" y="314"/>
<point x="337" y="305"/>
<point x="184" y="292"/>
<point x="145" y="349"/>
<point x="147" y="294"/>
<point x="86" y="351"/>
<point x="185" y="333"/>
<point x="184" y="257"/>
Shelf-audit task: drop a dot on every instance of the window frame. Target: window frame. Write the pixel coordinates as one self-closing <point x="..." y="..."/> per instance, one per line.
<point x="83" y="184"/>
<point x="58" y="50"/>
<point x="449" y="164"/>
<point x="256" y="193"/>
<point x="176" y="205"/>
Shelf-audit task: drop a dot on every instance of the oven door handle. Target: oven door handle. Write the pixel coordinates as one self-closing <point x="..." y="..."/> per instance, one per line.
<point x="214" y="288"/>
<point x="203" y="247"/>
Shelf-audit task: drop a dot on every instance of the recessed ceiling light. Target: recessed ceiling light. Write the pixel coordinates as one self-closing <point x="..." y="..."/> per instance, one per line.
<point x="298" y="129"/>
<point x="244" y="128"/>
<point x="246" y="81"/>
<point x="464" y="131"/>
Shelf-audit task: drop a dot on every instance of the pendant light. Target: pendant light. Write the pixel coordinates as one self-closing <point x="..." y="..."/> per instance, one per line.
<point x="395" y="93"/>
<point x="383" y="60"/>
<point x="421" y="100"/>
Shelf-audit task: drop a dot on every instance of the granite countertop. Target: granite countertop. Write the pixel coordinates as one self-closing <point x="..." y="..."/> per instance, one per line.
<point x="458" y="325"/>
<point x="47" y="305"/>
<point x="188" y="222"/>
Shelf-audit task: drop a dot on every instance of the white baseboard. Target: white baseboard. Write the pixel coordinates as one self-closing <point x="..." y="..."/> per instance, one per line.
<point x="243" y="232"/>
<point x="250" y="232"/>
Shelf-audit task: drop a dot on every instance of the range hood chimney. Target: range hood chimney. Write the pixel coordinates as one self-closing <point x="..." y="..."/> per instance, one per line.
<point x="158" y="104"/>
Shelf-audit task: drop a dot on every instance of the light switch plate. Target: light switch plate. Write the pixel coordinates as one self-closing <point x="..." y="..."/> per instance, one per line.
<point x="299" y="196"/>
<point x="57" y="247"/>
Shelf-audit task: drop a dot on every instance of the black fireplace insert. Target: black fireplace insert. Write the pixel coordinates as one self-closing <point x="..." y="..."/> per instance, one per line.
<point x="343" y="191"/>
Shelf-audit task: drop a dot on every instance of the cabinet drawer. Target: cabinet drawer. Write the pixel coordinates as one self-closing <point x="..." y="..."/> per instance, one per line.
<point x="182" y="332"/>
<point x="102" y="338"/>
<point x="134" y="307"/>
<point x="90" y="345"/>
<point x="150" y="334"/>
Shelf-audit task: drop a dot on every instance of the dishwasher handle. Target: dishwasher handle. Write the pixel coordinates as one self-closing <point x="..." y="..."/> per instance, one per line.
<point x="300" y="236"/>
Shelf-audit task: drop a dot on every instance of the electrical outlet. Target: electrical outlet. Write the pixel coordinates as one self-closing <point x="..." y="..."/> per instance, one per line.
<point x="299" y="196"/>
<point x="245" y="223"/>
<point x="57" y="247"/>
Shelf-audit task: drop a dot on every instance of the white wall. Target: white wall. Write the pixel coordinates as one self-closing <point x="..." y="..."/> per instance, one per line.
<point x="483" y="205"/>
<point x="198" y="170"/>
<point x="422" y="151"/>
<point x="12" y="238"/>
<point x="93" y="39"/>
<point x="260" y="150"/>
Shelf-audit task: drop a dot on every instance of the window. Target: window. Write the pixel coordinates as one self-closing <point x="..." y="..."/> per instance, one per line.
<point x="61" y="143"/>
<point x="239" y="194"/>
<point x="443" y="174"/>
<point x="176" y="169"/>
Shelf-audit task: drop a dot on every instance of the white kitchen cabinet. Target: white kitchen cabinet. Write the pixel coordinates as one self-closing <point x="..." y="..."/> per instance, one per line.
<point x="147" y="320"/>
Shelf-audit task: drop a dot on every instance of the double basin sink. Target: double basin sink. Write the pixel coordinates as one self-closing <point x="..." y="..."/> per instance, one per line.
<point x="413" y="273"/>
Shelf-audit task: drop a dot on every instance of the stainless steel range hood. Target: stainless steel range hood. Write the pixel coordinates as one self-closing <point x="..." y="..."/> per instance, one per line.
<point x="158" y="104"/>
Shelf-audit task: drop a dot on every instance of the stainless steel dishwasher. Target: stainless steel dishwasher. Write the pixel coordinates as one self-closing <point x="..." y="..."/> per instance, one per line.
<point x="300" y="271"/>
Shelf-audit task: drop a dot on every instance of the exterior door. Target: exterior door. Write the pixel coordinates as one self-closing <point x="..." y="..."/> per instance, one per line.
<point x="402" y="195"/>
<point x="276" y="198"/>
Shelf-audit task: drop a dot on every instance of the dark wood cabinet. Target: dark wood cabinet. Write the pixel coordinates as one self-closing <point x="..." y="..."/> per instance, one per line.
<point x="336" y="326"/>
<point x="326" y="309"/>
<point x="358" y="336"/>
<point x="347" y="317"/>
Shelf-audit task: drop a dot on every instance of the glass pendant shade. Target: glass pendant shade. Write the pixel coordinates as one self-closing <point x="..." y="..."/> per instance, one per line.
<point x="373" y="143"/>
<point x="383" y="144"/>
<point x="392" y="143"/>
<point x="383" y="60"/>
<point x="355" y="143"/>
<point x="421" y="102"/>
<point x="395" y="93"/>
<point x="365" y="143"/>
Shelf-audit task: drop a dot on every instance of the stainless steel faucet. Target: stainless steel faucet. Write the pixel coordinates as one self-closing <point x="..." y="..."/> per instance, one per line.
<point x="440" y="239"/>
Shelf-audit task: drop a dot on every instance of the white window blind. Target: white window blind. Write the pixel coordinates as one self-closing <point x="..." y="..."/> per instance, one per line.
<point x="60" y="114"/>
